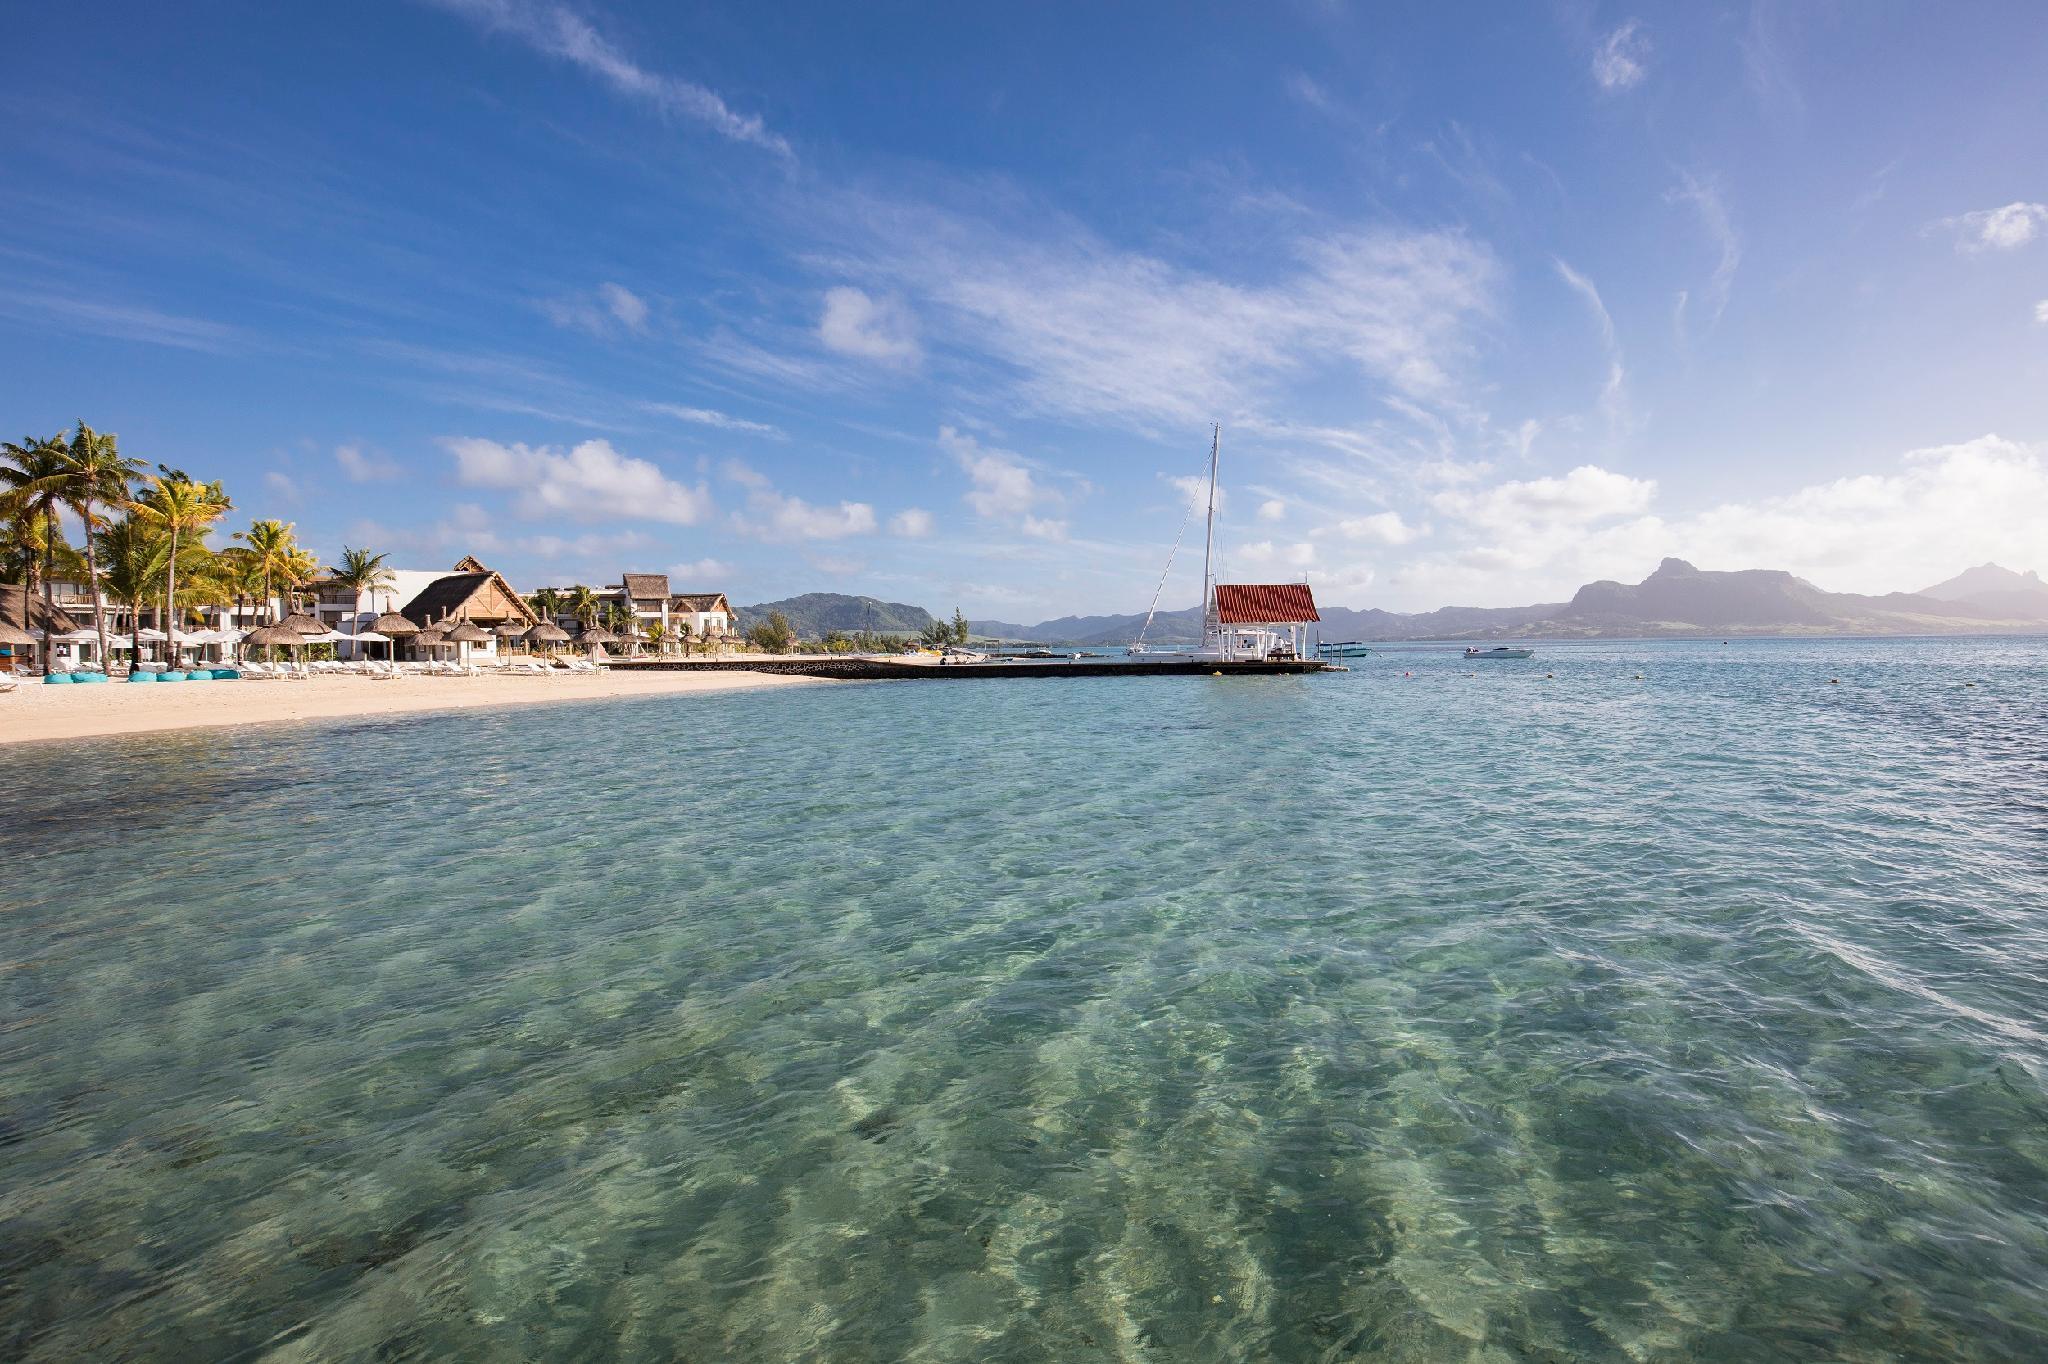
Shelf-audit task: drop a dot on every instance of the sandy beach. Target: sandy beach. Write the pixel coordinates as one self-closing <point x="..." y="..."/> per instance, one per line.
<point x="35" y="712"/>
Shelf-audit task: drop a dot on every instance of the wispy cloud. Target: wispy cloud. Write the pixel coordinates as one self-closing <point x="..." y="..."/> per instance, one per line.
<point x="705" y="416"/>
<point x="363" y="466"/>
<point x="1613" y="395"/>
<point x="123" y="322"/>
<point x="606" y="311"/>
<point x="1093" y="331"/>
<point x="1622" y="59"/>
<point x="557" y="31"/>
<point x="1703" y="195"/>
<point x="912" y="523"/>
<point x="1998" y="229"/>
<point x="2041" y="312"/>
<point x="590" y="482"/>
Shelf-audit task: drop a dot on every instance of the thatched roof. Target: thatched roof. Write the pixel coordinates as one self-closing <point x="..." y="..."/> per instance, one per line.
<point x="466" y="633"/>
<point x="457" y="594"/>
<point x="548" y="632"/>
<point x="14" y="634"/>
<point x="303" y="623"/>
<point x="645" y="586"/>
<point x="597" y="634"/>
<point x="26" y="612"/>
<point x="392" y="623"/>
<point x="699" y="601"/>
<point x="279" y="635"/>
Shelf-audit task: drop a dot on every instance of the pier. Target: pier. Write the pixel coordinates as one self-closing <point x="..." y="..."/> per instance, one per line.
<point x="869" y="668"/>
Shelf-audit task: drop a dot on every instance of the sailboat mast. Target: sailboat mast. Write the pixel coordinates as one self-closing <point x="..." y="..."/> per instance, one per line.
<point x="1209" y="620"/>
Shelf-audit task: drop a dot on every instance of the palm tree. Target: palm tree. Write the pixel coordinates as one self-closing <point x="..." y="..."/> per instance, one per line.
<point x="132" y="555"/>
<point x="275" y="550"/>
<point x="96" y="476"/>
<point x="546" y="603"/>
<point x="360" y="571"/>
<point x="583" y="604"/>
<point x="184" y="509"/>
<point x="31" y="490"/>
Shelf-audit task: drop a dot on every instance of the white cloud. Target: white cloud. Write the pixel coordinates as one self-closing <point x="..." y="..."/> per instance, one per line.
<point x="771" y="515"/>
<point x="912" y="523"/>
<point x="697" y="571"/>
<point x="1273" y="509"/>
<point x="881" y="329"/>
<point x="2041" y="312"/>
<point x="1704" y="196"/>
<point x="606" y="311"/>
<point x="1004" y="488"/>
<point x="1261" y="555"/>
<point x="1194" y="491"/>
<point x="281" y="486"/>
<point x="1385" y="528"/>
<point x="625" y="305"/>
<point x="1044" y="527"/>
<point x="705" y="416"/>
<point x="1621" y="62"/>
<point x="1093" y="331"/>
<point x="1586" y="495"/>
<point x="590" y="482"/>
<point x="361" y="467"/>
<point x="1937" y="511"/>
<point x="1998" y="229"/>
<point x="559" y="32"/>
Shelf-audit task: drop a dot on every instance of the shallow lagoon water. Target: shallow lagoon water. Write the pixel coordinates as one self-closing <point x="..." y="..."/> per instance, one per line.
<point x="1471" y="1014"/>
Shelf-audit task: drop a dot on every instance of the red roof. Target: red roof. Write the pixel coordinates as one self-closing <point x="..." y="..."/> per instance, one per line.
<point x="1264" y="603"/>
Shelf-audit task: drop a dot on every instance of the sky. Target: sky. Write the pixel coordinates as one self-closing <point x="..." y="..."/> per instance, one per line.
<point x="939" y="303"/>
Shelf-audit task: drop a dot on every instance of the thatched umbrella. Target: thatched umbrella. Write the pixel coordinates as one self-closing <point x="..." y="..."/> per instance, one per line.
<point x="508" y="632"/>
<point x="394" y="627"/>
<point x="464" y="632"/>
<point x="272" y="636"/>
<point x="595" y="637"/>
<point x="303" y="623"/>
<point x="547" y="632"/>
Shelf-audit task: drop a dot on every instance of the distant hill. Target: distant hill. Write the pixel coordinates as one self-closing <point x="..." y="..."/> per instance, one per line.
<point x="1994" y="588"/>
<point x="1677" y="599"/>
<point x="815" y="613"/>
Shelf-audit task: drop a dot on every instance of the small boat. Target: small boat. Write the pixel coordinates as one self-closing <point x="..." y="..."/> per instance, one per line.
<point x="1501" y="651"/>
<point x="1348" y="648"/>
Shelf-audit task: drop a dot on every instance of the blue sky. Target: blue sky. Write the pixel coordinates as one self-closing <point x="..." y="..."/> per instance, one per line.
<point x="938" y="302"/>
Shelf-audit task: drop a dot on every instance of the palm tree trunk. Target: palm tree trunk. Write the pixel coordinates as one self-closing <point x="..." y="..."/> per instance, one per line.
<point x="49" y="595"/>
<point x="92" y="585"/>
<point x="170" y="626"/>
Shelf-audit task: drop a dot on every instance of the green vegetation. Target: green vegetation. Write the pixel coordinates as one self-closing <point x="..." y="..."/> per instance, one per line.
<point x="144" y="538"/>
<point x="815" y="615"/>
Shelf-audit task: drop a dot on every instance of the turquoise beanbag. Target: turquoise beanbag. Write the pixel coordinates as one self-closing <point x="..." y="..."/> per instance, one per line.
<point x="57" y="679"/>
<point x="88" y="677"/>
<point x="142" y="677"/>
<point x="170" y="677"/>
<point x="226" y="675"/>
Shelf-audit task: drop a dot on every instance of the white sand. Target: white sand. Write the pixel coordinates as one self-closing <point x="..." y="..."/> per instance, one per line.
<point x="38" y="712"/>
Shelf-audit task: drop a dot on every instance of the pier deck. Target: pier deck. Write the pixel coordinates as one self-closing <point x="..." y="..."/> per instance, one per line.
<point x="871" y="669"/>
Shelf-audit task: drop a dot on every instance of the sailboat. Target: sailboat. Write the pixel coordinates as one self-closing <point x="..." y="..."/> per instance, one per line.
<point x="1241" y="622"/>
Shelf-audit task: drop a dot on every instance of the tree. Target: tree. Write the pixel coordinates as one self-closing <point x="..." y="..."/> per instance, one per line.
<point x="96" y="476"/>
<point x="936" y="635"/>
<point x="32" y="487"/>
<point x="276" y="551"/>
<point x="360" y="571"/>
<point x="132" y="555"/>
<point x="184" y="509"/>
<point x="583" y="605"/>
<point x="959" y="627"/>
<point x="656" y="632"/>
<point x="546" y="603"/>
<point x="772" y="634"/>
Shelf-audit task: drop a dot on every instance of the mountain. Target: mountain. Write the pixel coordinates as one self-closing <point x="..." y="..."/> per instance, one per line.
<point x="1677" y="599"/>
<point x="814" y="613"/>
<point x="1994" y="588"/>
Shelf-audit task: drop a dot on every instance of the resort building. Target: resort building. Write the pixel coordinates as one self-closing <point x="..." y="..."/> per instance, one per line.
<point x="470" y="591"/>
<point x="646" y="598"/>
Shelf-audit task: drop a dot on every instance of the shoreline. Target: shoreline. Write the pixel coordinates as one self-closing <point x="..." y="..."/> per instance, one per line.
<point x="41" y="714"/>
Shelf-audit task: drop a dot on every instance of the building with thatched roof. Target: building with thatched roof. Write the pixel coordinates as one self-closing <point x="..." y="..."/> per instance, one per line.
<point x="471" y="591"/>
<point x="647" y="601"/>
<point x="24" y="610"/>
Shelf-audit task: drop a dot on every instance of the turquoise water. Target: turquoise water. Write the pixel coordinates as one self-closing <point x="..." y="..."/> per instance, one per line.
<point x="1430" y="1017"/>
